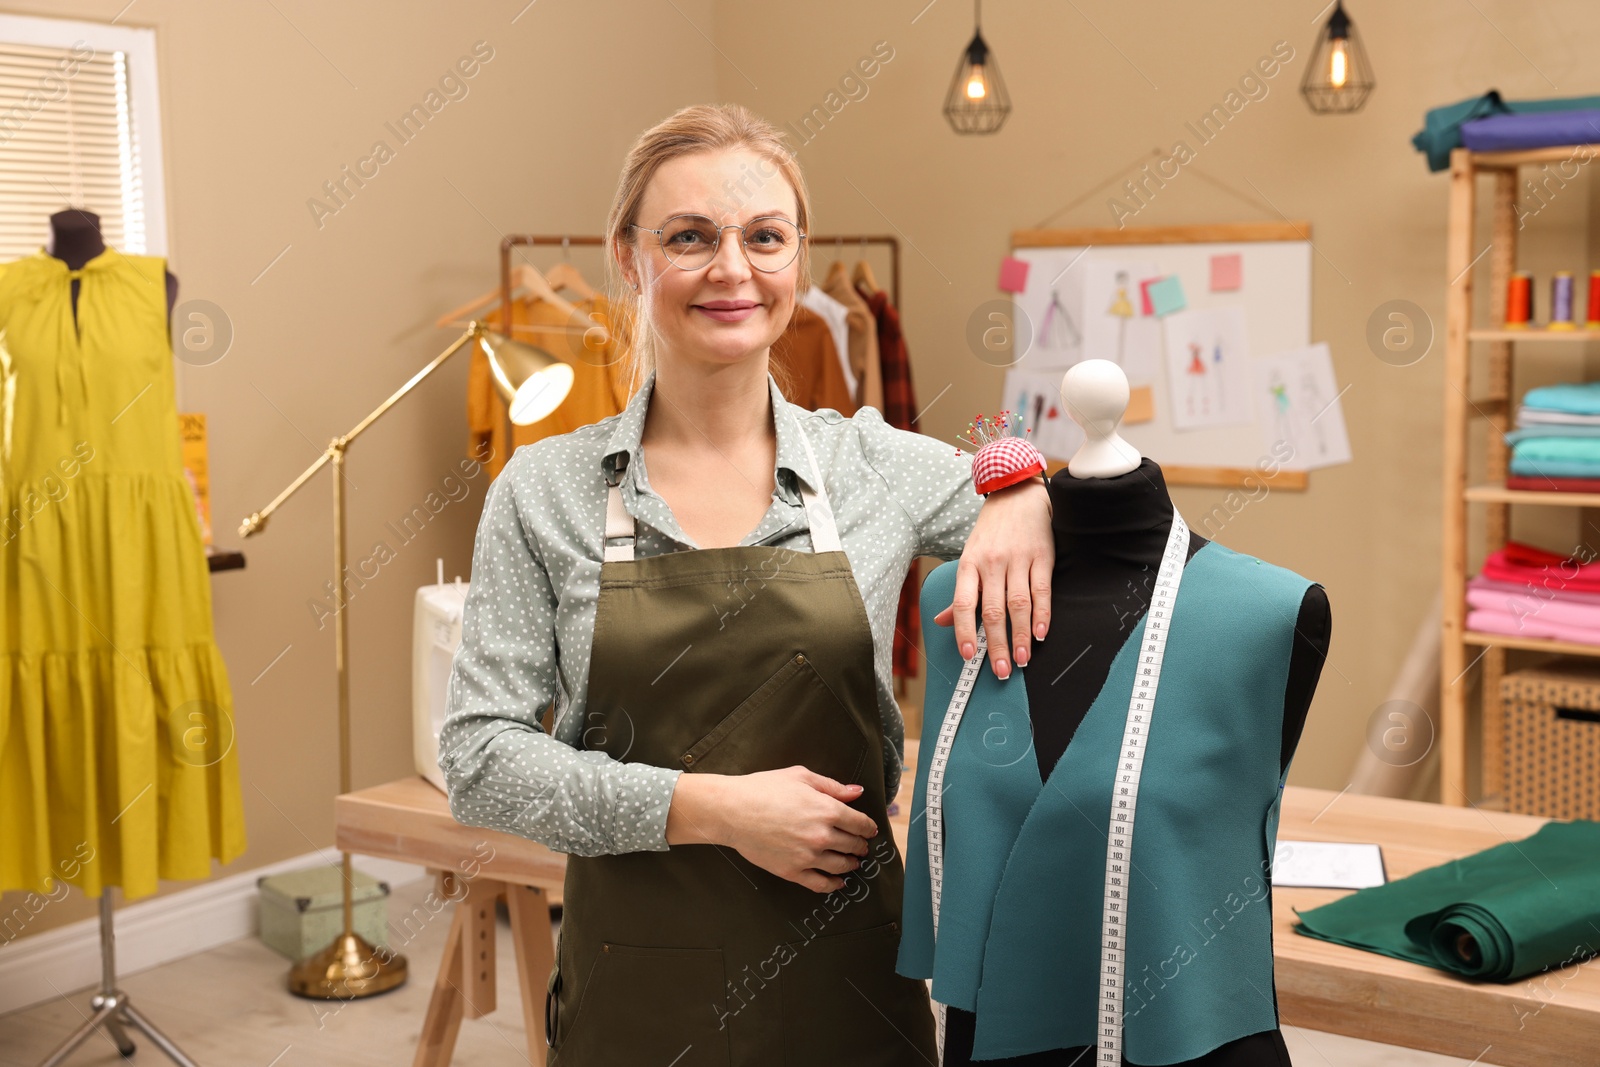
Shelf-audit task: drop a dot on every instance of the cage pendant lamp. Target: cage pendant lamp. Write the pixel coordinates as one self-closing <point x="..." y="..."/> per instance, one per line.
<point x="1339" y="78"/>
<point x="977" y="101"/>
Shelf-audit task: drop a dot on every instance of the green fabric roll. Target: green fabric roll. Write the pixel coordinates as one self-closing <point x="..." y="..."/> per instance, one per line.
<point x="1500" y="914"/>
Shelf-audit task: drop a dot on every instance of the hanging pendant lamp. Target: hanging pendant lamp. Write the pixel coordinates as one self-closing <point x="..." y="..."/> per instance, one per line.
<point x="977" y="101"/>
<point x="1339" y="78"/>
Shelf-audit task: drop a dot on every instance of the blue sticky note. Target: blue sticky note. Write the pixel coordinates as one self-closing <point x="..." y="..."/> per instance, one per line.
<point x="1166" y="295"/>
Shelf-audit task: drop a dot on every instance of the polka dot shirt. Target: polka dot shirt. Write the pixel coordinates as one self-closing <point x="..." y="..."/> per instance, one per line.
<point x="530" y="610"/>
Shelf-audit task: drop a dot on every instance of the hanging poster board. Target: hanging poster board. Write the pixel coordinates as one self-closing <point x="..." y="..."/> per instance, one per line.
<point x="1188" y="312"/>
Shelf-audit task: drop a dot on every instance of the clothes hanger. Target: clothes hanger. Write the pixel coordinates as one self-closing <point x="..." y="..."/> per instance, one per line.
<point x="862" y="275"/>
<point x="566" y="276"/>
<point x="526" y="282"/>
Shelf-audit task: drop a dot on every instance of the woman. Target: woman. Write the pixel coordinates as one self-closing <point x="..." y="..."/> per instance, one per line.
<point x="759" y="662"/>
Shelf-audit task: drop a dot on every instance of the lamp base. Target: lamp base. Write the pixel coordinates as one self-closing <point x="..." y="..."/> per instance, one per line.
<point x="348" y="969"/>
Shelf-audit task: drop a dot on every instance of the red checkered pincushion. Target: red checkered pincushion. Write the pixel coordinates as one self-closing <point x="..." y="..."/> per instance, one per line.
<point x="1005" y="461"/>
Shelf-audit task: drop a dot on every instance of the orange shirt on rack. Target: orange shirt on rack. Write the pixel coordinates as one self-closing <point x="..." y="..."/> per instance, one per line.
<point x="599" y="382"/>
<point x="805" y="361"/>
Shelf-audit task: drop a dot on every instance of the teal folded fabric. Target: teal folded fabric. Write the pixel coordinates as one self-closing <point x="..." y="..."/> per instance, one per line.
<point x="1441" y="126"/>
<point x="1575" y="398"/>
<point x="1500" y="914"/>
<point x="1553" y="468"/>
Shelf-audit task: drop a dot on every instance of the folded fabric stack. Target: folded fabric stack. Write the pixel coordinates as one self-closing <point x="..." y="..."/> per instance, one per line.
<point x="1556" y="445"/>
<point x="1528" y="592"/>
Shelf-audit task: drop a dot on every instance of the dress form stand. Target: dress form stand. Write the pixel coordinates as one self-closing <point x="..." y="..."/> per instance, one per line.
<point x="1111" y="518"/>
<point x="75" y="239"/>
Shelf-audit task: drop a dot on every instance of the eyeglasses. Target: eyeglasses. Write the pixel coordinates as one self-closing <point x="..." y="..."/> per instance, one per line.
<point x="690" y="242"/>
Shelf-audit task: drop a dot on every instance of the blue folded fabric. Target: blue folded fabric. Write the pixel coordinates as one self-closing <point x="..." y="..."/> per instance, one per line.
<point x="1524" y="433"/>
<point x="1441" y="126"/>
<point x="1503" y="133"/>
<point x="1575" y="398"/>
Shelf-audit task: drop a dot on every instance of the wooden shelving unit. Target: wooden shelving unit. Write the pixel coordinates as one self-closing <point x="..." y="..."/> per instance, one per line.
<point x="1461" y="648"/>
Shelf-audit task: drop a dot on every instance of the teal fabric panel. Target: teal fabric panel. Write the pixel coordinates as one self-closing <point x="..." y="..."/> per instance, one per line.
<point x="1199" y="969"/>
<point x="1526" y="905"/>
<point x="1557" y="457"/>
<point x="990" y="783"/>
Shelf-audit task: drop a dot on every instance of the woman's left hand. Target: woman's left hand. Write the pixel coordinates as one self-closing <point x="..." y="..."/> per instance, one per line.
<point x="1007" y="562"/>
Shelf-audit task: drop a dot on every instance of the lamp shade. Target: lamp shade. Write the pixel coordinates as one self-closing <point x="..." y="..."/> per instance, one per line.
<point x="977" y="101"/>
<point x="1339" y="78"/>
<point x="532" y="381"/>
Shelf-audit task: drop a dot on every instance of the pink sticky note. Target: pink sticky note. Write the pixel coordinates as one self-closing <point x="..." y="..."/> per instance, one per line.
<point x="1013" y="275"/>
<point x="1227" y="273"/>
<point x="1145" y="306"/>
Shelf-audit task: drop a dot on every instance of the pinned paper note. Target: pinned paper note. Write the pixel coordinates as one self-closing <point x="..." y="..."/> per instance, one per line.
<point x="1208" y="368"/>
<point x="1166" y="295"/>
<point x="1304" y="418"/>
<point x="1227" y="273"/>
<point x="1013" y="275"/>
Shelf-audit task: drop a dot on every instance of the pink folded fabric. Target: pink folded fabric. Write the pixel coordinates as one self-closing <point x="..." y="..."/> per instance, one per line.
<point x="1554" y="608"/>
<point x="1535" y="589"/>
<point x="1485" y="621"/>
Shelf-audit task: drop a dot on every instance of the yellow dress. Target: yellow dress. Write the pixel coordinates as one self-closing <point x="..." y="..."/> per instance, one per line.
<point x="117" y="757"/>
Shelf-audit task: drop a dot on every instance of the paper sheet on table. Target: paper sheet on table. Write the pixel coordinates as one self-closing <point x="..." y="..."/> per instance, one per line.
<point x="1208" y="372"/>
<point x="1327" y="865"/>
<point x="1036" y="395"/>
<point x="1302" y="416"/>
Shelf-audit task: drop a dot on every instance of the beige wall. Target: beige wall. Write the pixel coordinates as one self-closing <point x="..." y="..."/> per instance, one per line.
<point x="260" y="108"/>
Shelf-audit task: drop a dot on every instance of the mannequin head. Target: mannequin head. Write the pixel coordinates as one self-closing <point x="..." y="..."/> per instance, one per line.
<point x="730" y="166"/>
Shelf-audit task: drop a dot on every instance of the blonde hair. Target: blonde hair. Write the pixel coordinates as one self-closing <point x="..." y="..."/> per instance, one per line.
<point x="702" y="128"/>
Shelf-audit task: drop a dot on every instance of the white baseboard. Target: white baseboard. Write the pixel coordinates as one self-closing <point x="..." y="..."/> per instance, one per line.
<point x="150" y="933"/>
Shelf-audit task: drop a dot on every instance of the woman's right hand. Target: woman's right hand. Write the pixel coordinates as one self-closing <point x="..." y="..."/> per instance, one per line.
<point x="793" y="822"/>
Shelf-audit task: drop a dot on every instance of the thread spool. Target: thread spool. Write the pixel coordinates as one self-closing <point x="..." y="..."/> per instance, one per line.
<point x="1593" y="322"/>
<point x="1561" y="301"/>
<point x="1519" y="300"/>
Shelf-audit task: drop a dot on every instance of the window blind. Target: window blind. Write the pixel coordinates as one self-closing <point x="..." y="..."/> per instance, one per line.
<point x="67" y="139"/>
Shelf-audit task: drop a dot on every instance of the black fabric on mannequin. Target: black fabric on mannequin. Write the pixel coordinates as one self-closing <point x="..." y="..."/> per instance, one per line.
<point x="1110" y="534"/>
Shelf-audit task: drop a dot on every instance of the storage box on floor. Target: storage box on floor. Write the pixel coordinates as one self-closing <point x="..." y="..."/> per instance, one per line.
<point x="303" y="911"/>
<point x="1552" y="739"/>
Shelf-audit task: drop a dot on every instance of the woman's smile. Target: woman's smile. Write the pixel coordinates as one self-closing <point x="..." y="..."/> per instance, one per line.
<point x="727" y="310"/>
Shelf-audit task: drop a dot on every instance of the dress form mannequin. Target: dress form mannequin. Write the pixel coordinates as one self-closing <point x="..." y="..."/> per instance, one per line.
<point x="75" y="240"/>
<point x="1111" y="517"/>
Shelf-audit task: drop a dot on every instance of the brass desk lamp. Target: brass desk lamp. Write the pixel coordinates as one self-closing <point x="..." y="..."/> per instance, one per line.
<point x="533" y="383"/>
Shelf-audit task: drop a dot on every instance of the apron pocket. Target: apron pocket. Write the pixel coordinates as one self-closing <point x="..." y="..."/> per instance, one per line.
<point x="649" y="1005"/>
<point x="843" y="1003"/>
<point x="792" y="718"/>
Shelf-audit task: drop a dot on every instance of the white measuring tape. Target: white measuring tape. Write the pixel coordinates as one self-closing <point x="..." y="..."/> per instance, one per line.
<point x="1124" y="795"/>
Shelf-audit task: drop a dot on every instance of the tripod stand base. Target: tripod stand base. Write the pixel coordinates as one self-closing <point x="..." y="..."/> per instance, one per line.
<point x="113" y="1012"/>
<point x="348" y="969"/>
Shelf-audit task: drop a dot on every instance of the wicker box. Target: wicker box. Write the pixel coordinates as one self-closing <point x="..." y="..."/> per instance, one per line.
<point x="303" y="911"/>
<point x="1552" y="739"/>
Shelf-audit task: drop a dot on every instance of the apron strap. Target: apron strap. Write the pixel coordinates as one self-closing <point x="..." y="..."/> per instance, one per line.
<point x="819" y="515"/>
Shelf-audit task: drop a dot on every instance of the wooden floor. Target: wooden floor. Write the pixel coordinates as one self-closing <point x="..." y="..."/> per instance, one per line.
<point x="227" y="1008"/>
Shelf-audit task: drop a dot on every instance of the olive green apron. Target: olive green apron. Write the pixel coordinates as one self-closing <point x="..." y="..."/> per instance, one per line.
<point x="732" y="661"/>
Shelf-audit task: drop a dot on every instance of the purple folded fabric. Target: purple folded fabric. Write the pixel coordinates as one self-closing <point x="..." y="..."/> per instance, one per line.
<point x="1531" y="129"/>
<point x="1503" y="622"/>
<point x="1533" y="589"/>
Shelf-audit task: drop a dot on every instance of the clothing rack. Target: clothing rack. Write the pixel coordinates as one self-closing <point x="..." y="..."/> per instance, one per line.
<point x="568" y="240"/>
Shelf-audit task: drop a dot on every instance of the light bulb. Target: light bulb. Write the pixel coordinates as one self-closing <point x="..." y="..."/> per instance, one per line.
<point x="1338" y="64"/>
<point x="976" y="90"/>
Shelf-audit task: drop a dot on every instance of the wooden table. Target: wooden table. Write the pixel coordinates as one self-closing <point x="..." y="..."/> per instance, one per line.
<point x="1545" y="1021"/>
